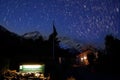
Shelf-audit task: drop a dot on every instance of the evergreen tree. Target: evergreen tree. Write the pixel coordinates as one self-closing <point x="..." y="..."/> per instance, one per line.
<point x="112" y="46"/>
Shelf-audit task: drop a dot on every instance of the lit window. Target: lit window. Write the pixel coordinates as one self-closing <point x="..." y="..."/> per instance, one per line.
<point x="81" y="59"/>
<point x="85" y="57"/>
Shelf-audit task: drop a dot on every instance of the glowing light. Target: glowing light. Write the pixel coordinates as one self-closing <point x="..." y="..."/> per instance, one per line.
<point x="31" y="66"/>
<point x="20" y="67"/>
<point x="81" y="59"/>
<point x="85" y="57"/>
<point x="37" y="74"/>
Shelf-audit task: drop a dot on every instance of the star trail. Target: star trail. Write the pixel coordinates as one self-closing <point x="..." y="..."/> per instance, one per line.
<point x="86" y="21"/>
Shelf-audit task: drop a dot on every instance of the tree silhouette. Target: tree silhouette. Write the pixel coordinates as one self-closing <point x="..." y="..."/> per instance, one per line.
<point x="23" y="50"/>
<point x="112" y="46"/>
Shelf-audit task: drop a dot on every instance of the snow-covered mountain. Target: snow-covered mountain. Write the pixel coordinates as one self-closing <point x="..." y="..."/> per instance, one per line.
<point x="70" y="43"/>
<point x="32" y="35"/>
<point x="65" y="42"/>
<point x="3" y="29"/>
<point x="5" y="32"/>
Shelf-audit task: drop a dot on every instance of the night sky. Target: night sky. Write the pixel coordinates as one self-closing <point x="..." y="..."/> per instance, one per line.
<point x="85" y="21"/>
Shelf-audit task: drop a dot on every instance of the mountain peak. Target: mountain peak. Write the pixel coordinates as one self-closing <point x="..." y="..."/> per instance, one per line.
<point x="32" y="35"/>
<point x="3" y="29"/>
<point x="70" y="43"/>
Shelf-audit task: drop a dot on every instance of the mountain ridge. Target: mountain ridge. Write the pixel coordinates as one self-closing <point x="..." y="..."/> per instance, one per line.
<point x="65" y="42"/>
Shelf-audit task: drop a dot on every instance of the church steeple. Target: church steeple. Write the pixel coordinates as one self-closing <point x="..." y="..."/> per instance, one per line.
<point x="54" y="30"/>
<point x="54" y="33"/>
<point x="53" y="40"/>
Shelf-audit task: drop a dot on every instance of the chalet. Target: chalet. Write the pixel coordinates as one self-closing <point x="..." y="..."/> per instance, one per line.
<point x="82" y="58"/>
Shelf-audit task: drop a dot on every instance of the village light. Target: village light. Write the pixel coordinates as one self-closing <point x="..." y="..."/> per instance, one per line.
<point x="20" y="67"/>
<point x="85" y="57"/>
<point x="37" y="74"/>
<point x="31" y="66"/>
<point x="81" y="59"/>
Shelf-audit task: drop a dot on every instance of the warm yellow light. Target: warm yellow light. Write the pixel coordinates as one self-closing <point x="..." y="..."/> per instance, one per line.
<point x="85" y="57"/>
<point x="37" y="74"/>
<point x="81" y="59"/>
<point x="31" y="66"/>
